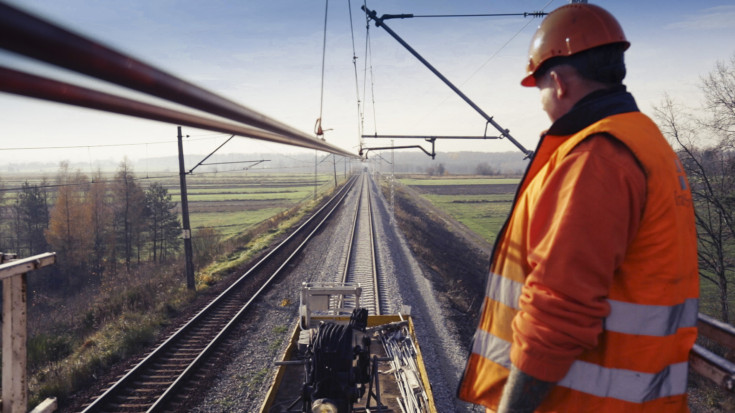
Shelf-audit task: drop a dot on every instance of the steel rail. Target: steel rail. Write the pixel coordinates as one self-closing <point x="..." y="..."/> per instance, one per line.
<point x="373" y="255"/>
<point x="350" y="244"/>
<point x="353" y="227"/>
<point x="28" y="35"/>
<point x="159" y="404"/>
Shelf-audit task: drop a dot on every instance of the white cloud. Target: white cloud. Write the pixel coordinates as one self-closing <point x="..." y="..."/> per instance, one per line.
<point x="720" y="17"/>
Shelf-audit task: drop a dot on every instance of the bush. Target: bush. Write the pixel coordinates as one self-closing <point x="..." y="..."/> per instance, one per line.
<point x="207" y="244"/>
<point x="44" y="348"/>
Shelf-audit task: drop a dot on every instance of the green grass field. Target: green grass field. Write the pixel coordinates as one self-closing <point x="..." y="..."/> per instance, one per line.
<point x="457" y="181"/>
<point x="244" y="196"/>
<point x="230" y="223"/>
<point x="233" y="203"/>
<point x="483" y="212"/>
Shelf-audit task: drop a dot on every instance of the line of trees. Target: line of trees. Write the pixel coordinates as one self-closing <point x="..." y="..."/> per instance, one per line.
<point x="94" y="225"/>
<point x="706" y="145"/>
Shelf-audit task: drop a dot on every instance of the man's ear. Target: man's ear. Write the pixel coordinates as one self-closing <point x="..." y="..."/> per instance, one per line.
<point x="559" y="82"/>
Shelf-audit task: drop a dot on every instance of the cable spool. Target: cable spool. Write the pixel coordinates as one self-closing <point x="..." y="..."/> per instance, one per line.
<point x="359" y="318"/>
<point x="332" y="365"/>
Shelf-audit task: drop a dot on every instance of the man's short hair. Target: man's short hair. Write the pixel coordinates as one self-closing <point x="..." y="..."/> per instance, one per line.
<point x="603" y="64"/>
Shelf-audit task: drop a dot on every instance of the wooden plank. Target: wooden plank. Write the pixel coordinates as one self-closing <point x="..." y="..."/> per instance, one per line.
<point x="25" y="265"/>
<point x="46" y="406"/>
<point x="14" y="380"/>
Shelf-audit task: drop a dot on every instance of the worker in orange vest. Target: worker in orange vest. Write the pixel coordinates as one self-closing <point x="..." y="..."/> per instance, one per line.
<point x="591" y="301"/>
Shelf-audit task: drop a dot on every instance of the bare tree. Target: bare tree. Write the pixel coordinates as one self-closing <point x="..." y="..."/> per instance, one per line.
<point x="128" y="212"/>
<point x="705" y="146"/>
<point x="719" y="89"/>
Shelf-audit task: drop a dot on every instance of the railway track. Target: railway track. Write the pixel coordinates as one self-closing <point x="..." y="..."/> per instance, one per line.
<point x="361" y="262"/>
<point x="156" y="382"/>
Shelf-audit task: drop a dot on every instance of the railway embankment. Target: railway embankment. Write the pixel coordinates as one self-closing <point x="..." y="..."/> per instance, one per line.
<point x="454" y="258"/>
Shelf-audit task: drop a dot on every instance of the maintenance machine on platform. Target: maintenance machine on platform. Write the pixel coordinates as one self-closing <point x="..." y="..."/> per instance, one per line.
<point x="342" y="359"/>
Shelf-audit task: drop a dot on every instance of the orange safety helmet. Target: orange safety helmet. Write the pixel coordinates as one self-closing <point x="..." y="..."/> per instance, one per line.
<point x="571" y="29"/>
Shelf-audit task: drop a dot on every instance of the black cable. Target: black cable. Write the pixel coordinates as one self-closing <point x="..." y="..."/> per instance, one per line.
<point x="526" y="14"/>
<point x="354" y="64"/>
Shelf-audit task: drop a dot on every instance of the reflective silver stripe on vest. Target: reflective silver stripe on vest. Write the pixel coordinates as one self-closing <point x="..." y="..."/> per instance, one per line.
<point x="492" y="348"/>
<point x="628" y="385"/>
<point x="627" y="318"/>
<point x="504" y="290"/>
<point x="651" y="320"/>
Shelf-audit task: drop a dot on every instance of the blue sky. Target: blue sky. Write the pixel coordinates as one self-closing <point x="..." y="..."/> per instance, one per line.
<point x="267" y="55"/>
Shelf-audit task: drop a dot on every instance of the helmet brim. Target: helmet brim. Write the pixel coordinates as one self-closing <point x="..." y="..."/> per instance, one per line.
<point x="528" y="81"/>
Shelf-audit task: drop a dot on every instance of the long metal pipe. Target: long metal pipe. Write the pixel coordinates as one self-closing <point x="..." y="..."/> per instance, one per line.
<point x="504" y="132"/>
<point x="31" y="36"/>
<point x="25" y="84"/>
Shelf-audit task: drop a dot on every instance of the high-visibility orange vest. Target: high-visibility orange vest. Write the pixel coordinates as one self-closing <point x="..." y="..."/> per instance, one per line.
<point x="641" y="362"/>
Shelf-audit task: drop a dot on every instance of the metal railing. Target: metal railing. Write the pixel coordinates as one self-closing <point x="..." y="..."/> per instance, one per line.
<point x="708" y="364"/>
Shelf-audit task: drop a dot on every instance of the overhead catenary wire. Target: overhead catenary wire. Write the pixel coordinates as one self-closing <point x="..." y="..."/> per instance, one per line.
<point x="369" y="63"/>
<point x="110" y="145"/>
<point x="354" y="65"/>
<point x="491" y="57"/>
<point x="526" y="14"/>
<point x="318" y="130"/>
<point x="380" y="22"/>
